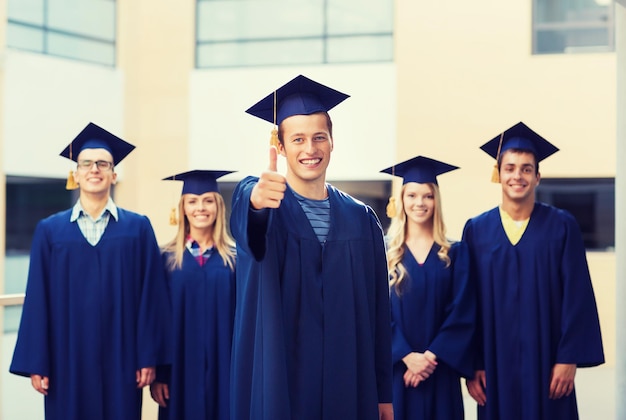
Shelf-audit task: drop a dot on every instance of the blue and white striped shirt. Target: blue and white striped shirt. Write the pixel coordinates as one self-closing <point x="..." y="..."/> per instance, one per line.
<point x="318" y="213"/>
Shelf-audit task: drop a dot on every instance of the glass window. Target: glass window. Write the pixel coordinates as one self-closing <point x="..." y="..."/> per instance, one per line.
<point x="79" y="29"/>
<point x="26" y="11"/>
<point x="28" y="201"/>
<point x="280" y="32"/>
<point x="569" y="26"/>
<point x="591" y="201"/>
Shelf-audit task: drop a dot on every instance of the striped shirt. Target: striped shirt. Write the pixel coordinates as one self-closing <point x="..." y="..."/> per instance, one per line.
<point x="93" y="229"/>
<point x="318" y="213"/>
<point x="196" y="251"/>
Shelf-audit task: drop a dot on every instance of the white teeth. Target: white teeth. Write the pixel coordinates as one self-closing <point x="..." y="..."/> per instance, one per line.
<point x="311" y="161"/>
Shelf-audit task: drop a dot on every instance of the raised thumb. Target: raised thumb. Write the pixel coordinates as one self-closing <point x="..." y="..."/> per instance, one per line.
<point x="273" y="158"/>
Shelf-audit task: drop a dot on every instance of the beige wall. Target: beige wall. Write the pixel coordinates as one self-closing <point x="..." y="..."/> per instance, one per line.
<point x="156" y="46"/>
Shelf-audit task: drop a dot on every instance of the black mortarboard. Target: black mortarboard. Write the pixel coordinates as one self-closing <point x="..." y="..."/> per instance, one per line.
<point x="198" y="181"/>
<point x="520" y="136"/>
<point x="419" y="169"/>
<point x="95" y="137"/>
<point x="300" y="96"/>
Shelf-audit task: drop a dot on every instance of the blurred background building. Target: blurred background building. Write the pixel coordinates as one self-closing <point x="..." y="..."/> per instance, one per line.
<point x="174" y="77"/>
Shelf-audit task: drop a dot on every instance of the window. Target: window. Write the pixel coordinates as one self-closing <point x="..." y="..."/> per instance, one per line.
<point x="591" y="201"/>
<point x="78" y="29"/>
<point x="281" y="32"/>
<point x="570" y="26"/>
<point x="28" y="200"/>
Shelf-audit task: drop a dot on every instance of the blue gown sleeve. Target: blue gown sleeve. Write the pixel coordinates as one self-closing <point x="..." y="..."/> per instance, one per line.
<point x="581" y="341"/>
<point x="477" y="340"/>
<point x="400" y="346"/>
<point x="32" y="351"/>
<point x="453" y="342"/>
<point x="154" y="320"/>
<point x="249" y="227"/>
<point x="384" y="372"/>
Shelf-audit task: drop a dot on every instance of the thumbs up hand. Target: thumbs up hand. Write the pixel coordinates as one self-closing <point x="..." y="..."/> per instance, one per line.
<point x="270" y="190"/>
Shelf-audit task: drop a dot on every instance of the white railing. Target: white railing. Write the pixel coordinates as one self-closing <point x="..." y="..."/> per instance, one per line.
<point x="12" y="300"/>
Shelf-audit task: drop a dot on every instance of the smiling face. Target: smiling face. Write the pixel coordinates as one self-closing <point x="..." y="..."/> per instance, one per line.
<point x="418" y="201"/>
<point x="306" y="145"/>
<point x="200" y="211"/>
<point x="519" y="177"/>
<point x="92" y="179"/>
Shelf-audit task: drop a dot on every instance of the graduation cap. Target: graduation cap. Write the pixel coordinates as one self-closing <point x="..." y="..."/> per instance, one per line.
<point x="299" y="96"/>
<point x="196" y="182"/>
<point x="521" y="137"/>
<point x="95" y="137"/>
<point x="420" y="169"/>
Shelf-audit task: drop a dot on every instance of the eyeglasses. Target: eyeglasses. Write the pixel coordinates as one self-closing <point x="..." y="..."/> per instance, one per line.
<point x="103" y="165"/>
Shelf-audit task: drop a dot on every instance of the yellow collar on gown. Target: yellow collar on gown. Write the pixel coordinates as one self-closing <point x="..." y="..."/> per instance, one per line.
<point x="514" y="229"/>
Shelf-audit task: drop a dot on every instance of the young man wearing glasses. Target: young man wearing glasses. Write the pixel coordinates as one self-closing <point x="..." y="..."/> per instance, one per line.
<point x="96" y="307"/>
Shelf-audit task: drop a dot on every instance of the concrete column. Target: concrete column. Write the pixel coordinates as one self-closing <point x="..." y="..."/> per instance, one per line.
<point x="156" y="42"/>
<point x="620" y="210"/>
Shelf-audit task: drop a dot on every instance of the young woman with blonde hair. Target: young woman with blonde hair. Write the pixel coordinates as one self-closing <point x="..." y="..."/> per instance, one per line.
<point x="432" y="301"/>
<point x="200" y="263"/>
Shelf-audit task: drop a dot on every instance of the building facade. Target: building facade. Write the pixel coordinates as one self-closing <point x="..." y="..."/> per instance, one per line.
<point x="433" y="78"/>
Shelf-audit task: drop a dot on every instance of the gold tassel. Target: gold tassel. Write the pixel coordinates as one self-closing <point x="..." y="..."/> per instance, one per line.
<point x="71" y="182"/>
<point x="173" y="218"/>
<point x="495" y="175"/>
<point x="274" y="138"/>
<point x="391" y="208"/>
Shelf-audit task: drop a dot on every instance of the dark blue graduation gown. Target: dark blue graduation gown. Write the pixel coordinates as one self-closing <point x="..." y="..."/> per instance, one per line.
<point x="436" y="311"/>
<point x="536" y="308"/>
<point x="92" y="316"/>
<point x="203" y="306"/>
<point x="312" y="337"/>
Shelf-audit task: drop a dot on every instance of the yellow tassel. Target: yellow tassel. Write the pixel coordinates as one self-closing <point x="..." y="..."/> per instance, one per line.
<point x="495" y="175"/>
<point x="274" y="138"/>
<point x="391" y="208"/>
<point x="173" y="218"/>
<point x="71" y="182"/>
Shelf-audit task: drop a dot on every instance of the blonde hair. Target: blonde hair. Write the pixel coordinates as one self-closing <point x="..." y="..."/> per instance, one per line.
<point x="396" y="235"/>
<point x="222" y="241"/>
